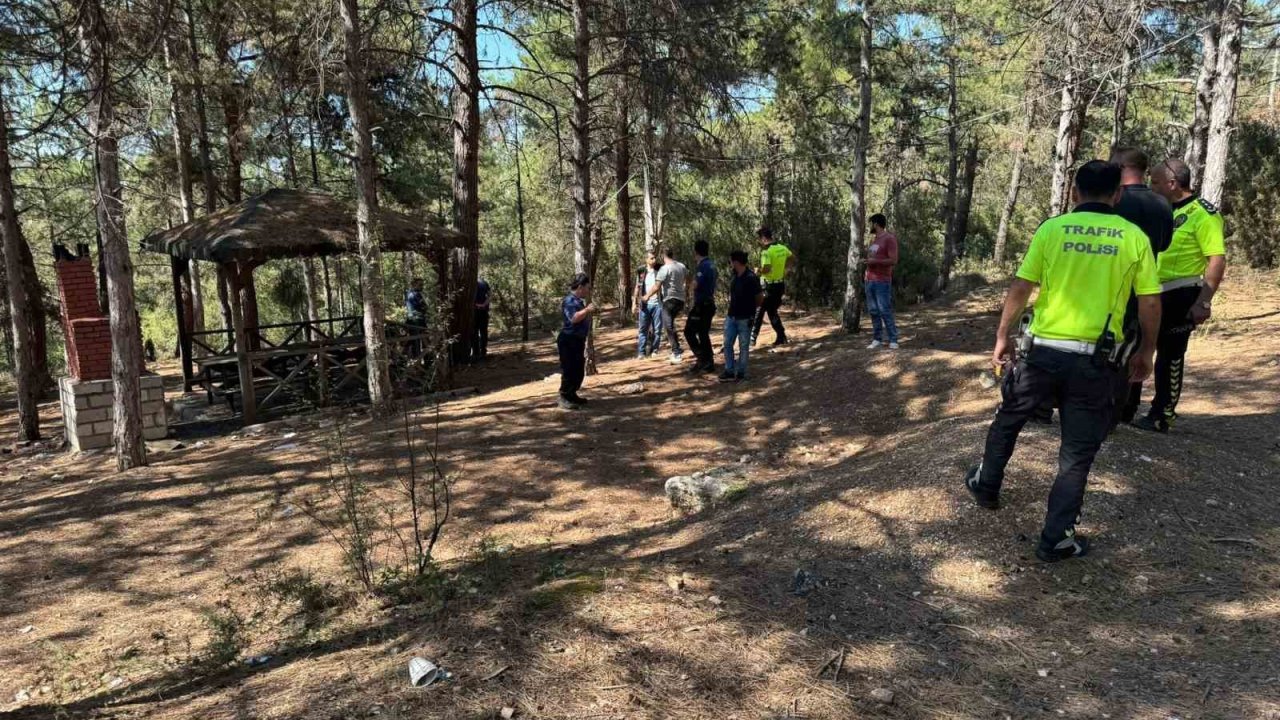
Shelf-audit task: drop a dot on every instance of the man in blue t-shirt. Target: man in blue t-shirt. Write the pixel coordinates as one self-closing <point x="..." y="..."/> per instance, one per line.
<point x="697" y="329"/>
<point x="415" y="305"/>
<point x="576" y="313"/>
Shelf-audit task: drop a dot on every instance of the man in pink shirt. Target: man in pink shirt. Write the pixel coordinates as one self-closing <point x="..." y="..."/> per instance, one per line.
<point x="881" y="257"/>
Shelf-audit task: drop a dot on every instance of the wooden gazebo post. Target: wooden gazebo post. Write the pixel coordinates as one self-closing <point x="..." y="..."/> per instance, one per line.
<point x="248" y="403"/>
<point x="182" y="307"/>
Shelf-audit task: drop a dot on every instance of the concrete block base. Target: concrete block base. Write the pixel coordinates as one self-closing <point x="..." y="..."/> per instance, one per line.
<point x="87" y="411"/>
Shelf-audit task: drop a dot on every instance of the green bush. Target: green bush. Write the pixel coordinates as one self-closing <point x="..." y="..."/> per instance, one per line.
<point x="1252" y="202"/>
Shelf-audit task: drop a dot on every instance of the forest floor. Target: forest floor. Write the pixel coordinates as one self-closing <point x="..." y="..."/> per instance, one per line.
<point x="564" y="561"/>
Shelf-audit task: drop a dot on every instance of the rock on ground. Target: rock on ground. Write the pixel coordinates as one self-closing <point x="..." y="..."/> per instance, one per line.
<point x="694" y="493"/>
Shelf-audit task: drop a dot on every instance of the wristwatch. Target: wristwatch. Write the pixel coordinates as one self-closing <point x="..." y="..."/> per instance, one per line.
<point x="1205" y="304"/>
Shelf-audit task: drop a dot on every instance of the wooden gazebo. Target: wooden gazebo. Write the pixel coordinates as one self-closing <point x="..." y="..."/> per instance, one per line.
<point x="278" y="359"/>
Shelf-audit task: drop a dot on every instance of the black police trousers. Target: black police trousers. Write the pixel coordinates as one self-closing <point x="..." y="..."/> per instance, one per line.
<point x="1171" y="350"/>
<point x="573" y="363"/>
<point x="773" y="293"/>
<point x="697" y="331"/>
<point x="1084" y="392"/>
<point x="480" y="335"/>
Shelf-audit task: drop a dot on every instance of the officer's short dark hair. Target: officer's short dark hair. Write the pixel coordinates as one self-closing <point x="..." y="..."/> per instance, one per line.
<point x="739" y="256"/>
<point x="765" y="232"/>
<point x="1178" y="170"/>
<point x="1098" y="179"/>
<point x="879" y="220"/>
<point x="578" y="281"/>
<point x="702" y="247"/>
<point x="669" y="252"/>
<point x="1130" y="157"/>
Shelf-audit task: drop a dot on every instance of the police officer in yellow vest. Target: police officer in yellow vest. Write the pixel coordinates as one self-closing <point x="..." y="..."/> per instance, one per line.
<point x="776" y="261"/>
<point x="1085" y="262"/>
<point x="1190" y="272"/>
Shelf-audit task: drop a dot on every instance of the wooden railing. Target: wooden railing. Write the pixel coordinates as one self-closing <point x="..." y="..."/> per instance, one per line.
<point x="308" y="363"/>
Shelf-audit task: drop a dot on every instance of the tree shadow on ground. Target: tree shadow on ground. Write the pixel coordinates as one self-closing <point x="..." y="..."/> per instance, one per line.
<point x="854" y="479"/>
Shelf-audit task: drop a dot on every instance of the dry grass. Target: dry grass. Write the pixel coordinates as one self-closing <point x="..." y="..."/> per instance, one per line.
<point x="559" y="557"/>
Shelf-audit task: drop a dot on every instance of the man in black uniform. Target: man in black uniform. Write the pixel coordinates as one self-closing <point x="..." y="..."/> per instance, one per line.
<point x="1085" y="262"/>
<point x="1151" y="212"/>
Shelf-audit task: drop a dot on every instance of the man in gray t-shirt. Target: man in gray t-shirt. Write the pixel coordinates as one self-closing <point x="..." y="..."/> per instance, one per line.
<point x="673" y="283"/>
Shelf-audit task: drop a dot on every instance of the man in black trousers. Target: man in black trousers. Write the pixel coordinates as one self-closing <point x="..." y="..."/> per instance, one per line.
<point x="697" y="329"/>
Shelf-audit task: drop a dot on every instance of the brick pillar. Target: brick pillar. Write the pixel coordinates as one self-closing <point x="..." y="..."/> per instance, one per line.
<point x="87" y="331"/>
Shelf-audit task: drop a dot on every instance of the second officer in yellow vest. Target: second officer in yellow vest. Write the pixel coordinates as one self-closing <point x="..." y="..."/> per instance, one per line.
<point x="1190" y="271"/>
<point x="1085" y="263"/>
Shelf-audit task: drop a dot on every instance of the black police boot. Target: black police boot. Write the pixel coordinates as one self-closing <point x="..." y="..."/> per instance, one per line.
<point x="1074" y="546"/>
<point x="1151" y="424"/>
<point x="983" y="498"/>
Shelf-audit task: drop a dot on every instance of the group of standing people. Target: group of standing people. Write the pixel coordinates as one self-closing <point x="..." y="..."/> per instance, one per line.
<point x="1124" y="278"/>
<point x="664" y="290"/>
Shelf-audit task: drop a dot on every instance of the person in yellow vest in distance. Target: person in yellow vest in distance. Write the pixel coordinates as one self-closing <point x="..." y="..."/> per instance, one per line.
<point x="776" y="262"/>
<point x="1085" y="262"/>
<point x="1190" y="271"/>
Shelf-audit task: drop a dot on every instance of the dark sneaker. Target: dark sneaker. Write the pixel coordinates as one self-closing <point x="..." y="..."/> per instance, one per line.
<point x="1150" y="424"/>
<point x="1073" y="547"/>
<point x="981" y="497"/>
<point x="567" y="404"/>
<point x="740" y="378"/>
<point x="577" y="399"/>
<point x="780" y="341"/>
<point x="727" y="377"/>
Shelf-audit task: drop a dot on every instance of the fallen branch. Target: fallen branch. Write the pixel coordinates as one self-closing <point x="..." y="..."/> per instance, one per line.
<point x="1237" y="540"/>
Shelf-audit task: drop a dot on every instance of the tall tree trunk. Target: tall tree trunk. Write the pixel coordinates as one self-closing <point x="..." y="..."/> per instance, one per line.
<point x="368" y="216"/>
<point x="126" y="343"/>
<point x="524" y="254"/>
<point x="310" y="279"/>
<point x="1205" y="82"/>
<point x="178" y="115"/>
<point x="207" y="177"/>
<point x="580" y="125"/>
<point x="1069" y="125"/>
<point x="1120" y="109"/>
<point x="657" y="157"/>
<point x="593" y="262"/>
<point x="622" y="178"/>
<point x="21" y="306"/>
<point x="464" y="262"/>
<point x="966" y="198"/>
<point x="1015" y="185"/>
<point x="1222" y="111"/>
<point x="769" y="186"/>
<point x="853" y="296"/>
<point x="6" y="320"/>
<point x="1274" y="84"/>
<point x="949" y="240"/>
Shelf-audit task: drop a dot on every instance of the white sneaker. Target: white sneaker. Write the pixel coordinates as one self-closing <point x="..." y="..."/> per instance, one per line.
<point x="874" y="344"/>
<point x="893" y="346"/>
<point x="675" y="359"/>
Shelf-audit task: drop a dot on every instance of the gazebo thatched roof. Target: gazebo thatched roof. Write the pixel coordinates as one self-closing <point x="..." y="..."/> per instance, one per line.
<point x="282" y="223"/>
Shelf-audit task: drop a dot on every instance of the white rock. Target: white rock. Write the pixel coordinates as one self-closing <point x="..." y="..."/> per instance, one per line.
<point x="882" y="695"/>
<point x="1042" y="673"/>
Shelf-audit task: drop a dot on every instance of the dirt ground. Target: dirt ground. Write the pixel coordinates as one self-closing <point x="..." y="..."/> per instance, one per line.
<point x="562" y="556"/>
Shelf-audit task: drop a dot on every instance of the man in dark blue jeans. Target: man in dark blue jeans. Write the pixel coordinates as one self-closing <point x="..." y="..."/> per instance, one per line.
<point x="881" y="257"/>
<point x="648" y="311"/>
